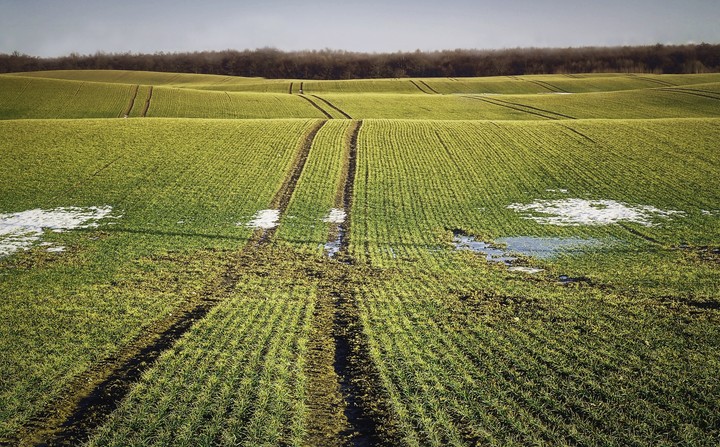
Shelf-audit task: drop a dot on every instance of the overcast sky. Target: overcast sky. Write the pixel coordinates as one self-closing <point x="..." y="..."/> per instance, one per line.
<point x="59" y="27"/>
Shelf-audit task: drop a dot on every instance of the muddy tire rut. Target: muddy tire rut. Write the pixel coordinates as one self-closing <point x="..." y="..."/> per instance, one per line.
<point x="94" y="395"/>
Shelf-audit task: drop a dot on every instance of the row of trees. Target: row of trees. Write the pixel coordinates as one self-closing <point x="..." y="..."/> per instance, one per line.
<point x="332" y="64"/>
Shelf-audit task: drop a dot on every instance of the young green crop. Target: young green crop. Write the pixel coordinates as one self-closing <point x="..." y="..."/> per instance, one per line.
<point x="174" y="185"/>
<point x="437" y="346"/>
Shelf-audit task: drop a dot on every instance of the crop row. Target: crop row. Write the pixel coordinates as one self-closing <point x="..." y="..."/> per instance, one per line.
<point x="22" y="97"/>
<point x="319" y="188"/>
<point x="31" y="97"/>
<point x="236" y="378"/>
<point x="548" y="366"/>
<point x="417" y="180"/>
<point x="174" y="185"/>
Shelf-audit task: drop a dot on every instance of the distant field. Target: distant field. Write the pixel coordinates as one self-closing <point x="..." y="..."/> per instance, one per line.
<point x="209" y="260"/>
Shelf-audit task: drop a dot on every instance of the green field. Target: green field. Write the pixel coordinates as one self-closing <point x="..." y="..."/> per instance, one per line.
<point x="209" y="260"/>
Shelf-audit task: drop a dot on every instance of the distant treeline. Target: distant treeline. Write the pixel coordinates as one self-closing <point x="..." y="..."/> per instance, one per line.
<point x="331" y="64"/>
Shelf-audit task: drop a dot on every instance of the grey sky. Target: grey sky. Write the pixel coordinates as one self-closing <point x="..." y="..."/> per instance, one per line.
<point x="58" y="27"/>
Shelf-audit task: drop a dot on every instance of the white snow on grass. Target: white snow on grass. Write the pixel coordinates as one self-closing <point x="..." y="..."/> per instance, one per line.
<point x="265" y="219"/>
<point x="20" y="231"/>
<point x="574" y="212"/>
<point x="528" y="270"/>
<point x="336" y="215"/>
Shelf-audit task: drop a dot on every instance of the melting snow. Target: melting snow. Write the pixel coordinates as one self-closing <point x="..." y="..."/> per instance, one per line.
<point x="336" y="215"/>
<point x="265" y="219"/>
<point x="528" y="270"/>
<point x="573" y="212"/>
<point x="19" y="231"/>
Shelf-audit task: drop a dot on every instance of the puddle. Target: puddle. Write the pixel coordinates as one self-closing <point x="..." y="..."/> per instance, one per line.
<point x="574" y="212"/>
<point x="565" y="279"/>
<point x="492" y="253"/>
<point x="536" y="247"/>
<point x="333" y="247"/>
<point x="20" y="231"/>
<point x="336" y="215"/>
<point x="58" y="249"/>
<point x="546" y="247"/>
<point x="265" y="219"/>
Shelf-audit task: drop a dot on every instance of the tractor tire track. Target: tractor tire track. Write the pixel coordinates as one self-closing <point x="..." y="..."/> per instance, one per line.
<point x="510" y="107"/>
<point x="688" y="91"/>
<point x="560" y="115"/>
<point x="130" y="106"/>
<point x="418" y="87"/>
<point x="337" y="109"/>
<point x="547" y="85"/>
<point x="147" y="102"/>
<point x="359" y="381"/>
<point x="94" y="395"/>
<point x="98" y="392"/>
<point x="324" y="112"/>
<point x="80" y="183"/>
<point x="429" y="88"/>
<point x="577" y="132"/>
<point x="284" y="194"/>
<point x="654" y="81"/>
<point x="643" y="236"/>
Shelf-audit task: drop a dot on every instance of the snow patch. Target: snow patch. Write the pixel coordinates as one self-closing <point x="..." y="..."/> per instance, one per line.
<point x="528" y="270"/>
<point x="336" y="215"/>
<point x="20" y="231"/>
<point x="265" y="219"/>
<point x="574" y="212"/>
